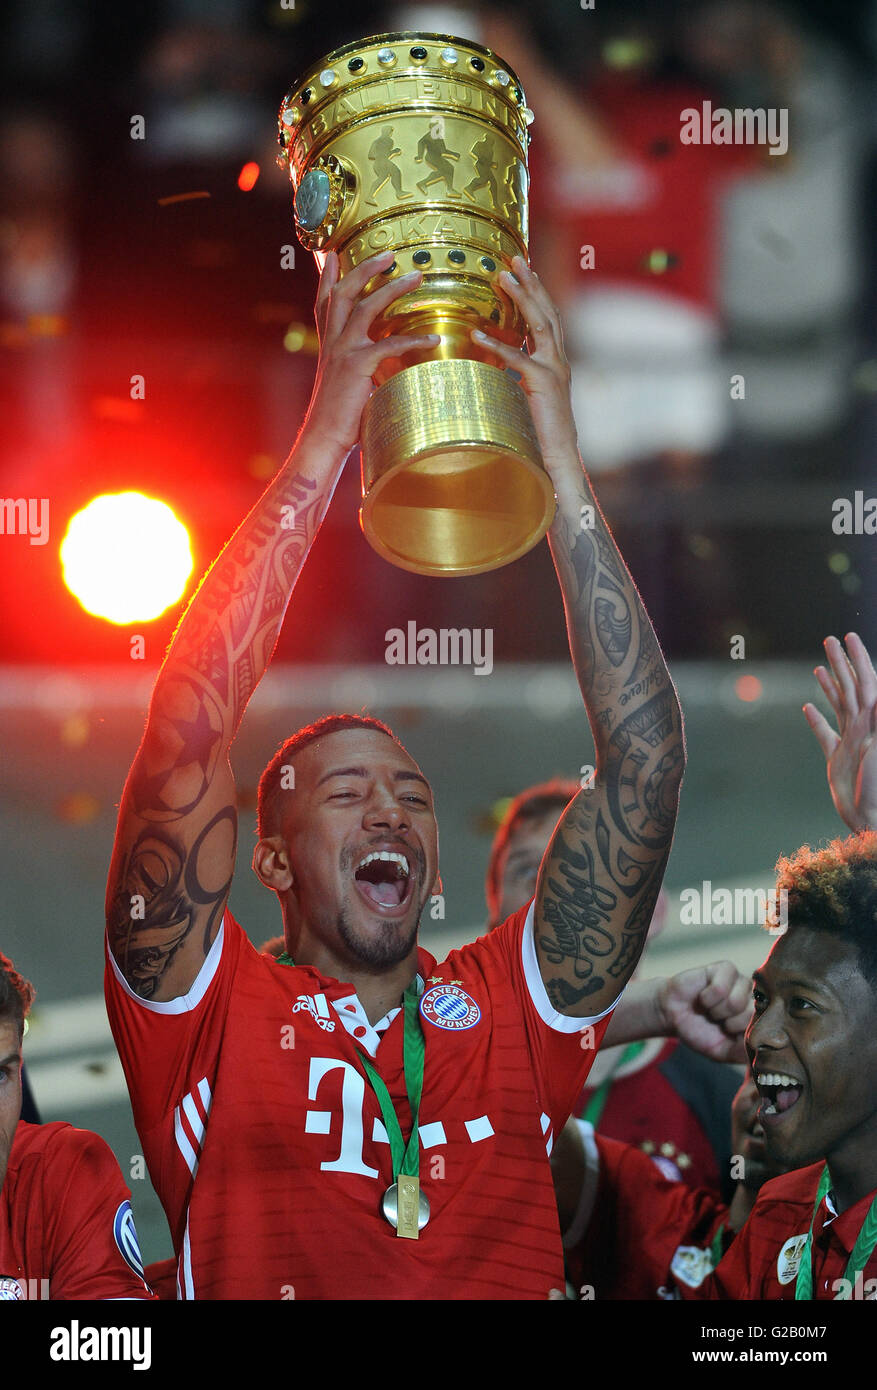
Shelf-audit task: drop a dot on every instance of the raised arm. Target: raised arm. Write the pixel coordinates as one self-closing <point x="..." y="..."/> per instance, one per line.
<point x="708" y="1008"/>
<point x="602" y="871"/>
<point x="174" y="852"/>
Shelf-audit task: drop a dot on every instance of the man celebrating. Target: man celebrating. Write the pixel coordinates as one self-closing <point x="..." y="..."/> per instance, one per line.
<point x="353" y="1120"/>
<point x="812" y="1042"/>
<point x="813" y="1049"/>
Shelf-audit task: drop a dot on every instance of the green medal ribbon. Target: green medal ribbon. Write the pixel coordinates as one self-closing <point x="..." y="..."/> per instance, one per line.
<point x="595" y="1106"/>
<point x="716" y="1245"/>
<point x="866" y="1240"/>
<point x="406" y="1160"/>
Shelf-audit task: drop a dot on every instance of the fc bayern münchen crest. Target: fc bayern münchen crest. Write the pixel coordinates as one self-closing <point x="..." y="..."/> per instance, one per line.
<point x="448" y="1006"/>
<point x="10" y="1290"/>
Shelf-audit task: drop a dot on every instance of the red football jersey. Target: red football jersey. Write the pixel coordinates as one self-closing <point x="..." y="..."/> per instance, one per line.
<point x="66" y="1227"/>
<point x="652" y="1108"/>
<point x="763" y="1260"/>
<point x="636" y="1234"/>
<point x="266" y="1144"/>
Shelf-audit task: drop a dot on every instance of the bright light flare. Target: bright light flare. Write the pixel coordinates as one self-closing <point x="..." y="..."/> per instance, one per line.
<point x="126" y="557"/>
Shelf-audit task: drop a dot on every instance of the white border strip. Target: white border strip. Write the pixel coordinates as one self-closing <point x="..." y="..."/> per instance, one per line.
<point x="184" y="1003"/>
<point x="548" y="687"/>
<point x="561" y="1023"/>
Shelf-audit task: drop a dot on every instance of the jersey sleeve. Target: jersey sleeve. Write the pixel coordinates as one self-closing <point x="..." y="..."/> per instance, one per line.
<point x="162" y="1045"/>
<point x="89" y="1225"/>
<point x="170" y="1054"/>
<point x="562" y="1048"/>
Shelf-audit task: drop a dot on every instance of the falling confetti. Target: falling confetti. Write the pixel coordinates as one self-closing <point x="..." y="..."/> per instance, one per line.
<point x="182" y="198"/>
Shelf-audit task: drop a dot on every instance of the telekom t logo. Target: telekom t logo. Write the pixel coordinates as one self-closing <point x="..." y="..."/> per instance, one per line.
<point x="350" y="1159"/>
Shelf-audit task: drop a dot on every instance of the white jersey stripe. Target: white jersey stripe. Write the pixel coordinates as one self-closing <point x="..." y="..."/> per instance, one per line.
<point x="194" y="1120"/>
<point x="205" y="1093"/>
<point x="183" y="1144"/>
<point x="187" y="1132"/>
<point x="186" y="1263"/>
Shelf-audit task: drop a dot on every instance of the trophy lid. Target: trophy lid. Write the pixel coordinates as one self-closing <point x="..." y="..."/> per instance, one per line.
<point x="401" y="54"/>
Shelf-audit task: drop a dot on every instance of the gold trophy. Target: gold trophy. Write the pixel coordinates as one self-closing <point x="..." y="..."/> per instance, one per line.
<point x="417" y="143"/>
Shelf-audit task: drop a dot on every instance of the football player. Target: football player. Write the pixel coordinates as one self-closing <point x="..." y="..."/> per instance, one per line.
<point x="353" y="1119"/>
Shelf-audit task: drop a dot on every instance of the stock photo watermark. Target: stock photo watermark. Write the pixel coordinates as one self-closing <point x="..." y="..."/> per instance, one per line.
<point x="446" y="646"/>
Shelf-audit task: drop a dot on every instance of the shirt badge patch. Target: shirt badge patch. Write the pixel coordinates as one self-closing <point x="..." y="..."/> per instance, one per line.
<point x="691" y="1265"/>
<point x="790" y="1258"/>
<point x="125" y="1235"/>
<point x="448" y="1006"/>
<point x="11" y="1291"/>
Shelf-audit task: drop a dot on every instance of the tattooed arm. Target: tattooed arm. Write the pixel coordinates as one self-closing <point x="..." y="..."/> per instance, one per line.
<point x="600" y="877"/>
<point x="174" y="853"/>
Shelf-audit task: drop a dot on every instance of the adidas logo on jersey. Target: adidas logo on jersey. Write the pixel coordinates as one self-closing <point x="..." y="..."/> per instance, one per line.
<point x="318" y="1009"/>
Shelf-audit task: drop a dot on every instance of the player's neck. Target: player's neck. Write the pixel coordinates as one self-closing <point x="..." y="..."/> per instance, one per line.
<point x="741" y="1205"/>
<point x="378" y="991"/>
<point x="853" y="1166"/>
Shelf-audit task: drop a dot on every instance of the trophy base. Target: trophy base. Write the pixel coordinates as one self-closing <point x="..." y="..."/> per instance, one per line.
<point x="452" y="476"/>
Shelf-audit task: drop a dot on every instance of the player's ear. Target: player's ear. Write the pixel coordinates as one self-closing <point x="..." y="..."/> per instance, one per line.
<point x="271" y="863"/>
<point x="437" y="889"/>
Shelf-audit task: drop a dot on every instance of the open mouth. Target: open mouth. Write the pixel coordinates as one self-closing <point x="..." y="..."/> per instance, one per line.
<point x="383" y="878"/>
<point x="779" y="1092"/>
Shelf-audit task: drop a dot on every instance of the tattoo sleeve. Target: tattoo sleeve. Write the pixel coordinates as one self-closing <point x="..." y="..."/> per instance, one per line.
<point x="602" y="872"/>
<point x="176" y="837"/>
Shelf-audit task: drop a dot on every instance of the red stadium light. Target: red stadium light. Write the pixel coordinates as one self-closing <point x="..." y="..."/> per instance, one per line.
<point x="248" y="176"/>
<point x="748" y="689"/>
<point x="126" y="557"/>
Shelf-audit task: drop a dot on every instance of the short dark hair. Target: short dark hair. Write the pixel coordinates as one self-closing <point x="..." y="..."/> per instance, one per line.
<point x="16" y="994"/>
<point x="835" y="890"/>
<point x="529" y="805"/>
<point x="267" y="819"/>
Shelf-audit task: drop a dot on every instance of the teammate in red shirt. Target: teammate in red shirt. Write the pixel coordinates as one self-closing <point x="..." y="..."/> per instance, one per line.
<point x="629" y="1232"/>
<point x="813" y="1041"/>
<point x="66" y="1227"/>
<point x="265" y="1092"/>
<point x="813" y="1049"/>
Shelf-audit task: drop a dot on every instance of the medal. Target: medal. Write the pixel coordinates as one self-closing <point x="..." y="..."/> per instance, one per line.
<point x="406" y="1207"/>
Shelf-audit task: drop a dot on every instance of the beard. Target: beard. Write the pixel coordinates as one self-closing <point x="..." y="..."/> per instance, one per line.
<point x="379" y="950"/>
